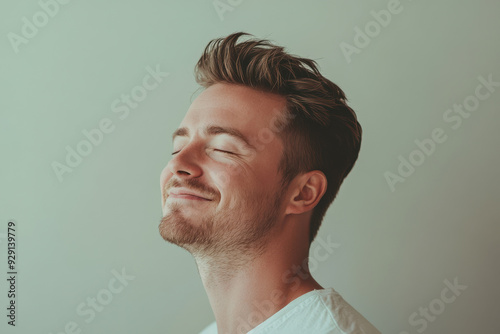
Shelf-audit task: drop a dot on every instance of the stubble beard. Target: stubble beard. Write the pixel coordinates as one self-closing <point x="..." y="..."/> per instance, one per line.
<point x="228" y="239"/>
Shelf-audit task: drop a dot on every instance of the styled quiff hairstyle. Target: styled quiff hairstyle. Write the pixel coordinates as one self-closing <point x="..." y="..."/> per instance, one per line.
<point x="321" y="131"/>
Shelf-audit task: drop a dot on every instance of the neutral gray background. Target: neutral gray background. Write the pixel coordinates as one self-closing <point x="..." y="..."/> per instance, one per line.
<point x="396" y="247"/>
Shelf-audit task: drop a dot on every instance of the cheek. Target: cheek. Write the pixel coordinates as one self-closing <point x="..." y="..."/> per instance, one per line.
<point x="230" y="179"/>
<point x="230" y="175"/>
<point x="241" y="186"/>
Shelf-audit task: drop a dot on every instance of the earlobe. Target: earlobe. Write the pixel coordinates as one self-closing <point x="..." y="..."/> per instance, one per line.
<point x="308" y="190"/>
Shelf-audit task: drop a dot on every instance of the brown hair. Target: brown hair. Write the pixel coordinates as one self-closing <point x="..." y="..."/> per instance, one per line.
<point x="323" y="132"/>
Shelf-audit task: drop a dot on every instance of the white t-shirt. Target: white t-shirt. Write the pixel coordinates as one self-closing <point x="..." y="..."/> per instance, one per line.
<point x="316" y="312"/>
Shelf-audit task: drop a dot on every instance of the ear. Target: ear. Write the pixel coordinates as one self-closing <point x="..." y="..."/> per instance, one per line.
<point x="306" y="191"/>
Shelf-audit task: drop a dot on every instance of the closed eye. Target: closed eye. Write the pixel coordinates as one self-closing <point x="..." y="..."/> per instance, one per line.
<point x="223" y="151"/>
<point x="215" y="149"/>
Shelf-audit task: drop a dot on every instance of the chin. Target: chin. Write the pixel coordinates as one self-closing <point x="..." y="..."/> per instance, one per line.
<point x="177" y="229"/>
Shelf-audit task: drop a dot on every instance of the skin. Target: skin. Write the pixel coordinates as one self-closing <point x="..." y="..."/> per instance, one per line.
<point x="222" y="201"/>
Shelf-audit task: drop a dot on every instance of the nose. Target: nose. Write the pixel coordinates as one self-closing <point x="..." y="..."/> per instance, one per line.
<point x="186" y="163"/>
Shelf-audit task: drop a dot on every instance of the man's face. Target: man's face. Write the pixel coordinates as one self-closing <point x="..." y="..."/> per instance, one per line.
<point x="221" y="189"/>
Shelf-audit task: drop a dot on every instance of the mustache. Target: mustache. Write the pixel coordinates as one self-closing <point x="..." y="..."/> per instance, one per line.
<point x="193" y="184"/>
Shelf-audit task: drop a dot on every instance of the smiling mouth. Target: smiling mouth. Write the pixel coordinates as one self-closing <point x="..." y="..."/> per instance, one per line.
<point x="180" y="193"/>
<point x="186" y="196"/>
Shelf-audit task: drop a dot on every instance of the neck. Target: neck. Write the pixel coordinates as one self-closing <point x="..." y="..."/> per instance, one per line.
<point x="245" y="289"/>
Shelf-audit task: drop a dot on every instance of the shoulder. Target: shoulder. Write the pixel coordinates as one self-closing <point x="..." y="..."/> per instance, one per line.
<point x="318" y="311"/>
<point x="345" y="317"/>
<point x="210" y="329"/>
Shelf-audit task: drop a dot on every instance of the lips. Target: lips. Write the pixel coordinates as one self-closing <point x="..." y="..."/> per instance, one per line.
<point x="184" y="193"/>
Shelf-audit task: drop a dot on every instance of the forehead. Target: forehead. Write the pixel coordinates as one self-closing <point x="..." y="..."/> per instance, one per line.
<point x="237" y="106"/>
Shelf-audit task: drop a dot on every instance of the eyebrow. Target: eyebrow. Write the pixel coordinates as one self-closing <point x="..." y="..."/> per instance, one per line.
<point x="216" y="130"/>
<point x="180" y="132"/>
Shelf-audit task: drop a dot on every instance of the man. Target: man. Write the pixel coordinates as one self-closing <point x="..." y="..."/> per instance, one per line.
<point x="257" y="160"/>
